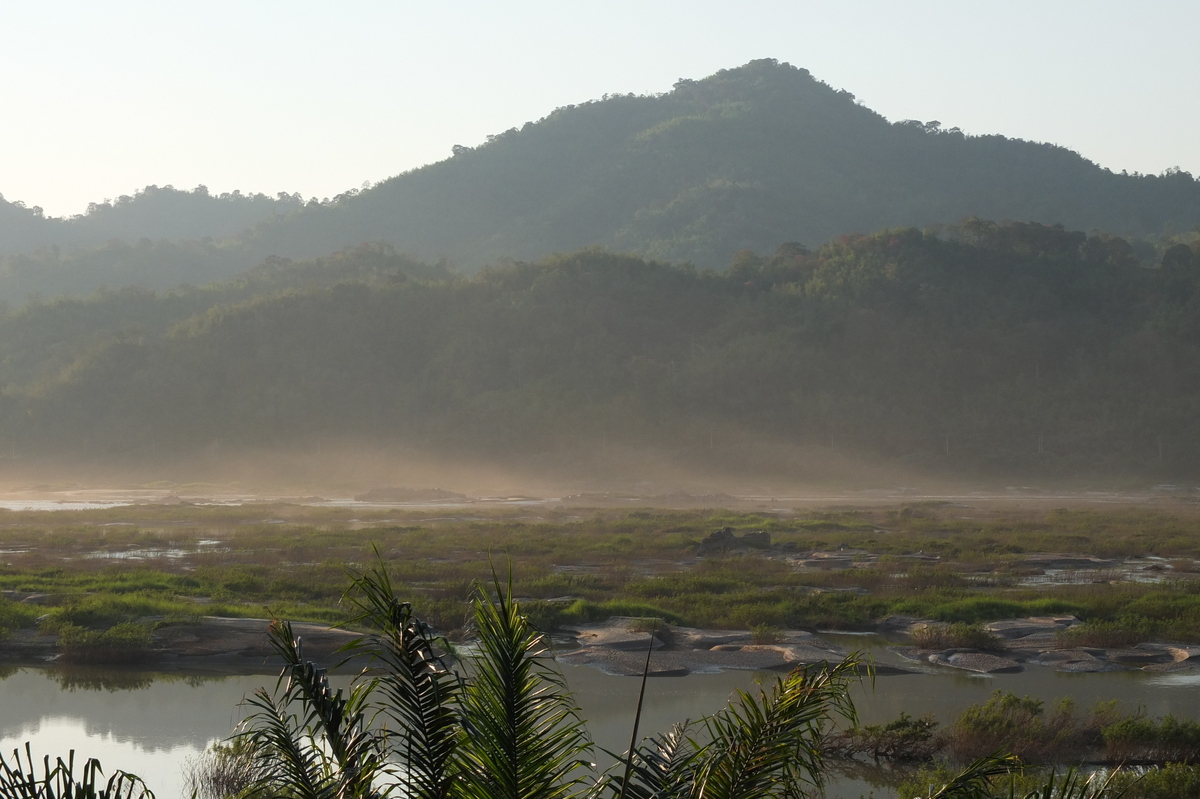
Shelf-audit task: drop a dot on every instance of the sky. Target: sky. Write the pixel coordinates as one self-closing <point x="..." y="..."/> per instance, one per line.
<point x="101" y="99"/>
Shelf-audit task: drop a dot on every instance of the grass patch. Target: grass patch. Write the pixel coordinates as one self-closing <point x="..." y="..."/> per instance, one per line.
<point x="122" y="643"/>
<point x="957" y="636"/>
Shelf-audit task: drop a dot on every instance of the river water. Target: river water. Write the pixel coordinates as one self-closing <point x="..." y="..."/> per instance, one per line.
<point x="151" y="724"/>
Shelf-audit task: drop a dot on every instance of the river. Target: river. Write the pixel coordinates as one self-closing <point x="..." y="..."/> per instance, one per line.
<point x="150" y="724"/>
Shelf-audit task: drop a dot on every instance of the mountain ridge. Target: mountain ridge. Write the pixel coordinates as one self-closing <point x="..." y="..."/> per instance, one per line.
<point x="747" y="158"/>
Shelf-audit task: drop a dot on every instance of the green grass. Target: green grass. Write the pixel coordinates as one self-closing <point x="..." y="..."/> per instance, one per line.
<point x="606" y="562"/>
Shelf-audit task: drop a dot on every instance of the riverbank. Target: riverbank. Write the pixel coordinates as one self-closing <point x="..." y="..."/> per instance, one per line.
<point x="619" y="647"/>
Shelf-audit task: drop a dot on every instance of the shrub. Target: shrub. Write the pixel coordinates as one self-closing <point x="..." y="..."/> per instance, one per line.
<point x="1105" y="635"/>
<point x="222" y="771"/>
<point x="15" y="615"/>
<point x="1021" y="726"/>
<point x="1173" y="781"/>
<point x="1143" y="740"/>
<point x="902" y="739"/>
<point x="766" y="634"/>
<point x="123" y="643"/>
<point x="956" y="636"/>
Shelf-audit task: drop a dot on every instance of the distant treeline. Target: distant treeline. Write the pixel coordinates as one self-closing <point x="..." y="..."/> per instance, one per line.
<point x="743" y="159"/>
<point x="1009" y="348"/>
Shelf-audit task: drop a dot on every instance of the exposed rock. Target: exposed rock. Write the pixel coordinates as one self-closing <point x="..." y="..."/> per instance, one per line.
<point x="1089" y="666"/>
<point x="616" y="634"/>
<point x="975" y="661"/>
<point x="693" y="638"/>
<point x="1077" y="661"/>
<point x="242" y="643"/>
<point x="720" y="541"/>
<point x="1046" y="560"/>
<point x="1140" y="655"/>
<point x="1020" y="628"/>
<point x="899" y="623"/>
<point x="724" y="540"/>
<point x="623" y="663"/>
<point x="912" y="653"/>
<point x="1037" y="642"/>
<point x="681" y="650"/>
<point x="1174" y="665"/>
<point x="758" y="540"/>
<point x="1183" y="653"/>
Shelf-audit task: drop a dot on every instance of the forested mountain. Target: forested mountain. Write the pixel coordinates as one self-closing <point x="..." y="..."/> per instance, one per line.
<point x="746" y="158"/>
<point x="156" y="238"/>
<point x="999" y="348"/>
<point x="153" y="213"/>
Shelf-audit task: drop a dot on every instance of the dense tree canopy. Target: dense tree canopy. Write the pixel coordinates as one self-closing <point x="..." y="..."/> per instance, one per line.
<point x="997" y="347"/>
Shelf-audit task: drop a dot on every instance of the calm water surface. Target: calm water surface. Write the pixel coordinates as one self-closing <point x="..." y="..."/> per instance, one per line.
<point x="150" y="724"/>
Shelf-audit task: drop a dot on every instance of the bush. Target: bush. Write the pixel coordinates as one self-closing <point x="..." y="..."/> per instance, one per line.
<point x="902" y="739"/>
<point x="1105" y="635"/>
<point x="1173" y="781"/>
<point x="766" y="634"/>
<point x="123" y="643"/>
<point x="957" y="636"/>
<point x="223" y="771"/>
<point x="16" y="615"/>
<point x="1021" y="726"/>
<point x="1142" y="740"/>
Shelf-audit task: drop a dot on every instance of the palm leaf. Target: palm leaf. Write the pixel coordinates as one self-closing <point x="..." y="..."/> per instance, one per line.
<point x="415" y="690"/>
<point x="523" y="738"/>
<point x="662" y="767"/>
<point x="20" y="781"/>
<point x="769" y="744"/>
<point x="324" y="750"/>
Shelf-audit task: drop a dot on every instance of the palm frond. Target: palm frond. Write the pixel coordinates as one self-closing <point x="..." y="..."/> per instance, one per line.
<point x="523" y="738"/>
<point x="415" y="690"/>
<point x="325" y="749"/>
<point x="976" y="780"/>
<point x="768" y="744"/>
<point x="661" y="767"/>
<point x="20" y="780"/>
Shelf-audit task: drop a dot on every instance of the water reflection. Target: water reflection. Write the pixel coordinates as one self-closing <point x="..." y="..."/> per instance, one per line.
<point x="149" y="723"/>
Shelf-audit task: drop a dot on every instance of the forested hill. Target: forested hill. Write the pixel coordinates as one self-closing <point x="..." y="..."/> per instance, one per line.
<point x="747" y="158"/>
<point x="1010" y="348"/>
<point x="153" y="213"/>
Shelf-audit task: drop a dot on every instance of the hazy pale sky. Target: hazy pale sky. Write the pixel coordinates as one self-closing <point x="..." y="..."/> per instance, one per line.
<point x="100" y="99"/>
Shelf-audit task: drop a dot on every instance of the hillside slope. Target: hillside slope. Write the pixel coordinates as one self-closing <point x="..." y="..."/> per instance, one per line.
<point x="1009" y="349"/>
<point x="747" y="158"/>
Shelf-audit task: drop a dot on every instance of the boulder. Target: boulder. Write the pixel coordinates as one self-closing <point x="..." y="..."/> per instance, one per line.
<point x="720" y="541"/>
<point x="759" y="540"/>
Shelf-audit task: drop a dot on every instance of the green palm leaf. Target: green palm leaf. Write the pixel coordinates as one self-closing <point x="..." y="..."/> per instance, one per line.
<point x="416" y="692"/>
<point x="523" y="738"/>
<point x="662" y="767"/>
<point x="323" y="751"/>
<point x="20" y="781"/>
<point x="769" y="744"/>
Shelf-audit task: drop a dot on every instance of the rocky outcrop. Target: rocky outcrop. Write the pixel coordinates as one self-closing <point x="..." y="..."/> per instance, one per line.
<point x="724" y="540"/>
<point x="1012" y="629"/>
<point x="979" y="662"/>
<point x="615" y="648"/>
